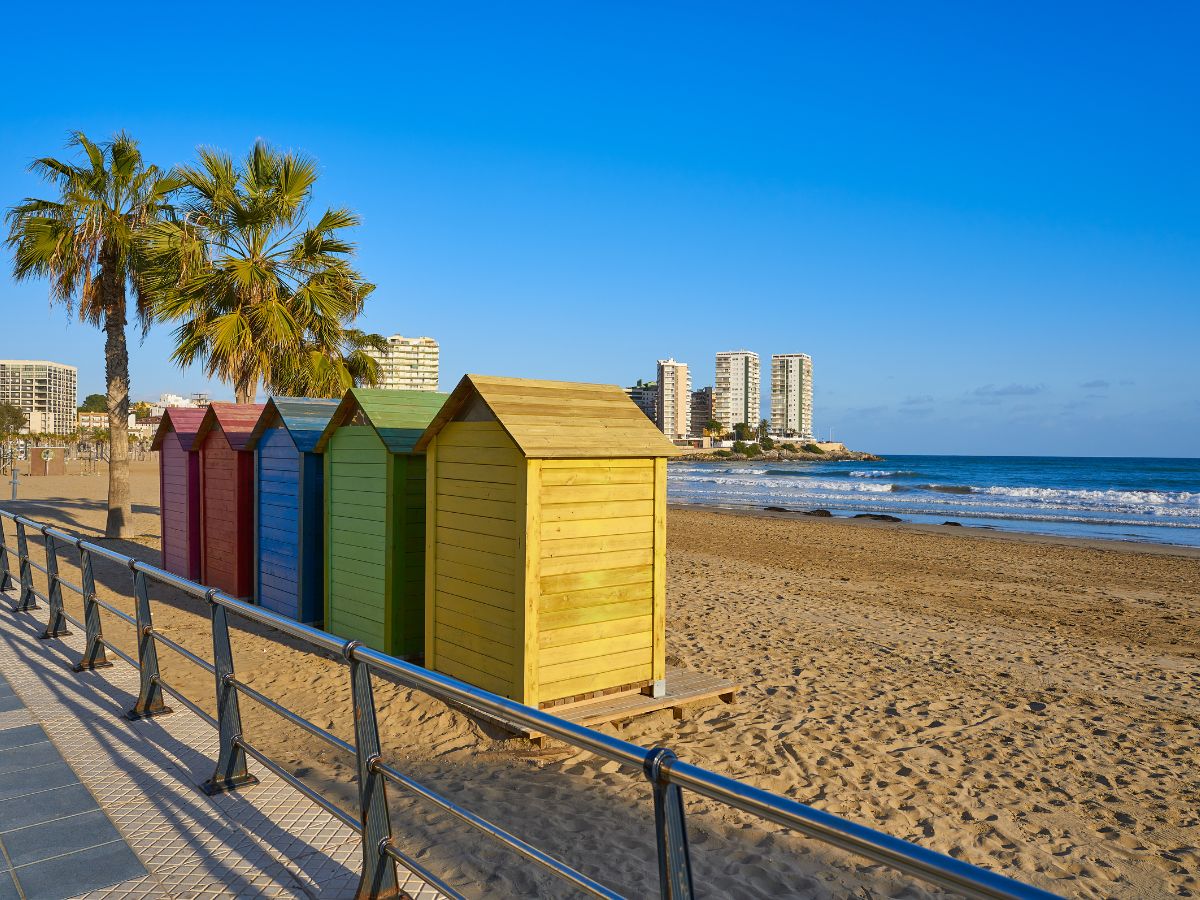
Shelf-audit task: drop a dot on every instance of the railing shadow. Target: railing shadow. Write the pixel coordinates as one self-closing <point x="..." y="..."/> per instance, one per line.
<point x="202" y="825"/>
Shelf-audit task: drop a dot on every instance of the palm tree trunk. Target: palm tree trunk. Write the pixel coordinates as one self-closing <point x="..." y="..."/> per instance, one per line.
<point x="245" y="392"/>
<point x="116" y="373"/>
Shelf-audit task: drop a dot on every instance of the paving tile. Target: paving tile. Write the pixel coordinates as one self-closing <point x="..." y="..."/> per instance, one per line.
<point x="39" y="778"/>
<point x="21" y="735"/>
<point x="77" y="873"/>
<point x="10" y="703"/>
<point x="267" y="841"/>
<point x="59" y="837"/>
<point x="53" y="804"/>
<point x="18" y="758"/>
<point x="8" y="890"/>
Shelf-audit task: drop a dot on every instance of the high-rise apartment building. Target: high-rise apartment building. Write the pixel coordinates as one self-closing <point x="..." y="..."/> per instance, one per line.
<point x="408" y="364"/>
<point x="702" y="410"/>
<point x="47" y="392"/>
<point x="674" y="399"/>
<point x="791" y="395"/>
<point x="737" y="392"/>
<point x="644" y="394"/>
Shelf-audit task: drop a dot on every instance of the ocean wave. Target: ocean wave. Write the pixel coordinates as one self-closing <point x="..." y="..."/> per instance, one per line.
<point x="883" y="473"/>
<point x="1106" y="498"/>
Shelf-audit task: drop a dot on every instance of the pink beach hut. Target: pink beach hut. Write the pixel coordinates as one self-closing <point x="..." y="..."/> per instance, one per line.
<point x="179" y="490"/>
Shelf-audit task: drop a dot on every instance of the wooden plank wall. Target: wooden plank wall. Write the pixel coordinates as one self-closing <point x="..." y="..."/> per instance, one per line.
<point x="311" y="588"/>
<point x="474" y="540"/>
<point x="407" y="609"/>
<point x="278" y="555"/>
<point x="227" y="516"/>
<point x="600" y="558"/>
<point x="356" y="538"/>
<point x="179" y="503"/>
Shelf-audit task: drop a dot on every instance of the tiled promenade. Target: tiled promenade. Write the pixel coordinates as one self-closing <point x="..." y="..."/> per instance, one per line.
<point x="118" y="802"/>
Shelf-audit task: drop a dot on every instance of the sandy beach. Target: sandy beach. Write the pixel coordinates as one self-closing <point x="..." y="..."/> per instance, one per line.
<point x="1028" y="704"/>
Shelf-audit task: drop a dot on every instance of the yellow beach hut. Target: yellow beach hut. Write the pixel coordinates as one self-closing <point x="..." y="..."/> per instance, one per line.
<point x="545" y="564"/>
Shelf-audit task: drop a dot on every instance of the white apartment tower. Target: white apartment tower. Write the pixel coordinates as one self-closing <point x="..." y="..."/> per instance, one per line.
<point x="47" y="392"/>
<point x="791" y="395"/>
<point x="408" y="364"/>
<point x="736" y="394"/>
<point x="674" y="399"/>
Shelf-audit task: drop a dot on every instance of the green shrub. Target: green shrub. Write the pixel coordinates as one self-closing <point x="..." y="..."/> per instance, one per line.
<point x="767" y="443"/>
<point x="812" y="448"/>
<point x="790" y="448"/>
<point x="739" y="447"/>
<point x="722" y="454"/>
<point x="753" y="450"/>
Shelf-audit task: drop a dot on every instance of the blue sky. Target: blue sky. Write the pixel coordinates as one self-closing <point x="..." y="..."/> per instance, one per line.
<point x="982" y="221"/>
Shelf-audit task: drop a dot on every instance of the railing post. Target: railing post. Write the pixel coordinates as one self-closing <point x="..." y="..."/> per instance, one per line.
<point x="26" y="599"/>
<point x="56" y="625"/>
<point x="231" y="760"/>
<point x="674" y="859"/>
<point x="93" y="651"/>
<point x="6" y="581"/>
<point x="150" y="696"/>
<point x="379" y="870"/>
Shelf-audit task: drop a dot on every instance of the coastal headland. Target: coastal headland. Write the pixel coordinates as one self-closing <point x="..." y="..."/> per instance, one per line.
<point x="821" y="453"/>
<point x="1030" y="704"/>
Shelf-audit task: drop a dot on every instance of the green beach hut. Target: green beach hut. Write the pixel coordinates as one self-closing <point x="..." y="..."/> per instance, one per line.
<point x="375" y="518"/>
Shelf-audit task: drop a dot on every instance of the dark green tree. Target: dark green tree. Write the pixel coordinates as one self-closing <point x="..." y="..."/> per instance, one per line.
<point x="12" y="419"/>
<point x="94" y="403"/>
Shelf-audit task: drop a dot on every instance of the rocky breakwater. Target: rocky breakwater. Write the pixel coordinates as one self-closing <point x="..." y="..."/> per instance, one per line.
<point x="777" y="454"/>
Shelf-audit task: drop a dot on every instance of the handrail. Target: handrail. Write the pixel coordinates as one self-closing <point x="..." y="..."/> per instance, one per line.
<point x="667" y="774"/>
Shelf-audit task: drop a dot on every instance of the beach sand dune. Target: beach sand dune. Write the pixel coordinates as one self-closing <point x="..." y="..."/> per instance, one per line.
<point x="1029" y="705"/>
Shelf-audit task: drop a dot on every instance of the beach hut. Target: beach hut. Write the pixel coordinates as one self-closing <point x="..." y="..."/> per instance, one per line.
<point x="289" y="507"/>
<point x="227" y="497"/>
<point x="179" y="490"/>
<point x="375" y="518"/>
<point x="545" y="550"/>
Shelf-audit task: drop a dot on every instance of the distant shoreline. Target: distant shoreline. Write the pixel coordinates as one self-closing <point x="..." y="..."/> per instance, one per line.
<point x="778" y="456"/>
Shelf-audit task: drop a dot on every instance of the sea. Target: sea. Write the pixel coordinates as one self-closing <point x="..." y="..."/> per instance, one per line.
<point x="1117" y="498"/>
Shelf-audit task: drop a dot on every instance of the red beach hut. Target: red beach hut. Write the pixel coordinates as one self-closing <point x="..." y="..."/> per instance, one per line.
<point x="179" y="490"/>
<point x="227" y="497"/>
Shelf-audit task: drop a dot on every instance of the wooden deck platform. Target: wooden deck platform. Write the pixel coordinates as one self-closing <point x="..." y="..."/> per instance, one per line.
<point x="684" y="687"/>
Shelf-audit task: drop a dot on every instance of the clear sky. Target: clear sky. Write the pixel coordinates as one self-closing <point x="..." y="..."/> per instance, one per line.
<point x="981" y="220"/>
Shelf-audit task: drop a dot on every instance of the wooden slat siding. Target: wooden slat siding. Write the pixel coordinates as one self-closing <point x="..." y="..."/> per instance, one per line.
<point x="529" y="585"/>
<point x="659" y="658"/>
<point x="179" y="507"/>
<point x="357" y="579"/>
<point x="432" y="525"/>
<point x="593" y="475"/>
<point x="473" y="556"/>
<point x="615" y="526"/>
<point x="278" y="545"/>
<point x="596" y="606"/>
<point x="227" y="514"/>
<point x="612" y="509"/>
<point x="407" y="588"/>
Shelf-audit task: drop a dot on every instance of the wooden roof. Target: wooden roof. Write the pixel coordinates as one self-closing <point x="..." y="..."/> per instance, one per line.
<point x="304" y="418"/>
<point x="559" y="419"/>
<point x="184" y="421"/>
<point x="237" y="420"/>
<point x="398" y="417"/>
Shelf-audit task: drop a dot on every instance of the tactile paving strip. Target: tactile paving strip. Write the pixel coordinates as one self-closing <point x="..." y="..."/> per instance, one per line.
<point x="263" y="841"/>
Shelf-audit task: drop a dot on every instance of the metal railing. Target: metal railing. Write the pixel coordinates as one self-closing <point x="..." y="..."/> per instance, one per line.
<point x="668" y="775"/>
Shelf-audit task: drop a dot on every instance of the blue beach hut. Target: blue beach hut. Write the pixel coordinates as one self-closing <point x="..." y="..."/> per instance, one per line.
<point x="289" y="507"/>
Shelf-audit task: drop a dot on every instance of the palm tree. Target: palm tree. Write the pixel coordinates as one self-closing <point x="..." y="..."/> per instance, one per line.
<point x="260" y="294"/>
<point x="84" y="241"/>
<point x="328" y="371"/>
